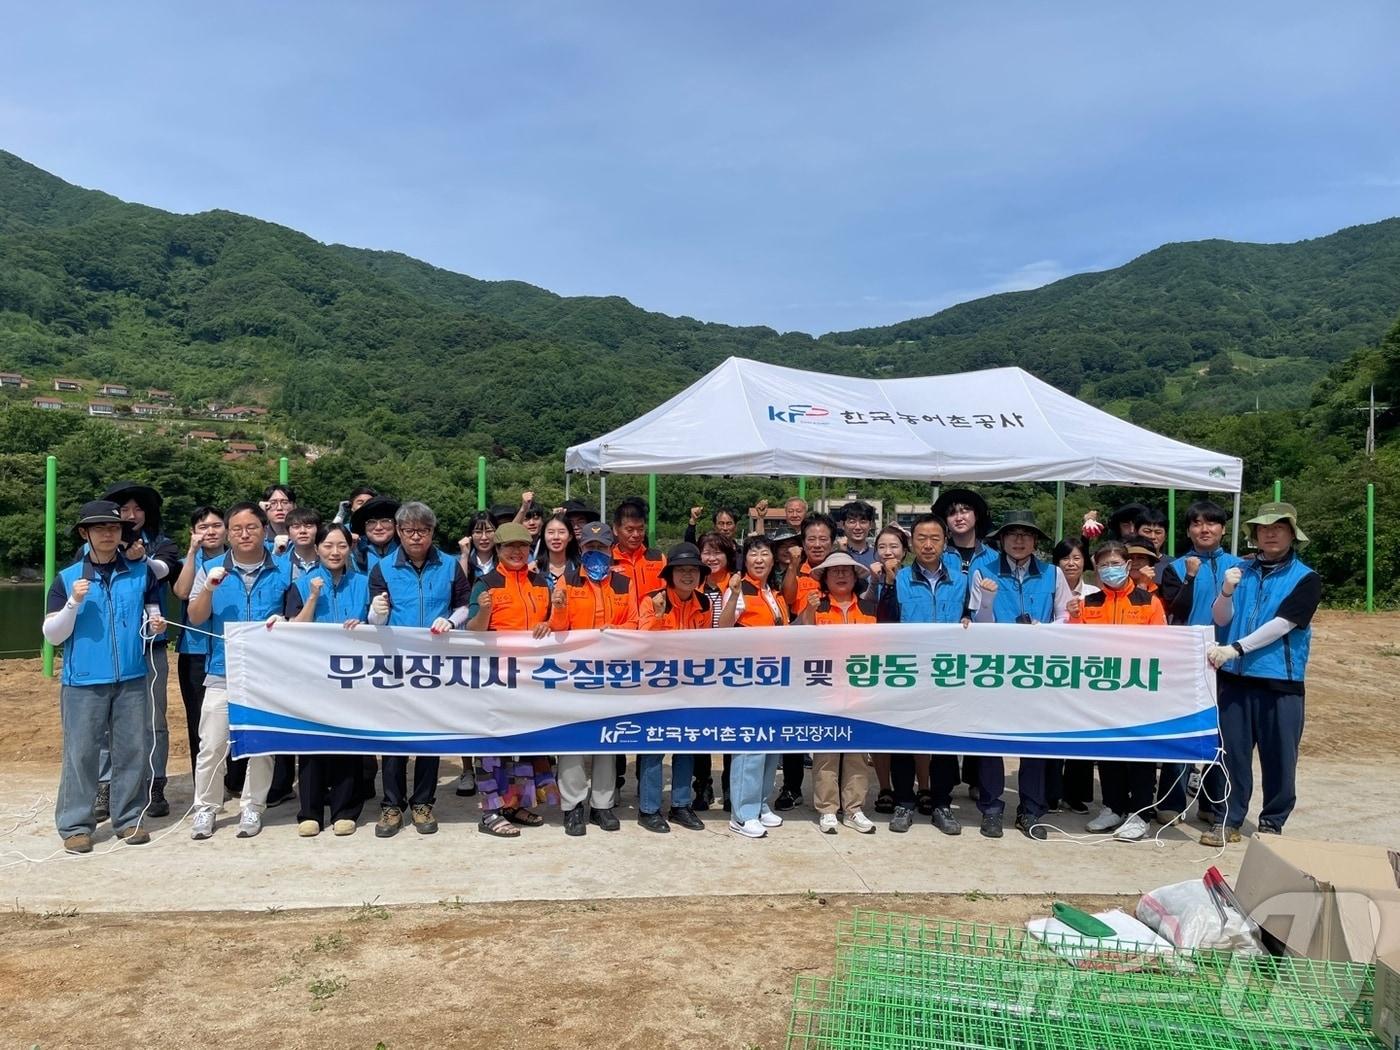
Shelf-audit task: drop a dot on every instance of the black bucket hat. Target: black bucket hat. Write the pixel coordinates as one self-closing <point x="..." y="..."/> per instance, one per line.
<point x="104" y="512"/>
<point x="147" y="498"/>
<point x="573" y="506"/>
<point x="1019" y="519"/>
<point x="1127" y="512"/>
<point x="950" y="498"/>
<point x="377" y="507"/>
<point x="684" y="556"/>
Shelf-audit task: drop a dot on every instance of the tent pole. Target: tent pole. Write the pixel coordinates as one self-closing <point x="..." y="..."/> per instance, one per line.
<point x="824" y="503"/>
<point x="1171" y="523"/>
<point x="567" y="478"/>
<point x="802" y="488"/>
<point x="1235" y="531"/>
<point x="651" y="509"/>
<point x="603" y="497"/>
<point x="1059" y="511"/>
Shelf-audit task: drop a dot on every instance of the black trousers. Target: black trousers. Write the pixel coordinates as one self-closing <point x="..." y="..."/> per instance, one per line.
<point x="703" y="771"/>
<point x="1128" y="787"/>
<point x="1070" y="780"/>
<point x="425" y="778"/>
<point x="334" y="779"/>
<point x="794" y="769"/>
<point x="189" y="668"/>
<point x="942" y="778"/>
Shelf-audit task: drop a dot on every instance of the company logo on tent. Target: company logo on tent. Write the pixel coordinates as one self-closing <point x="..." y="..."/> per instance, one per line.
<point x="1217" y="472"/>
<point x="798" y="414"/>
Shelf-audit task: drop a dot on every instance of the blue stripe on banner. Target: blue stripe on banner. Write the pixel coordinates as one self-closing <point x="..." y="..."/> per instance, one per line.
<point x="768" y="730"/>
<point x="1201" y="721"/>
<point x="254" y="716"/>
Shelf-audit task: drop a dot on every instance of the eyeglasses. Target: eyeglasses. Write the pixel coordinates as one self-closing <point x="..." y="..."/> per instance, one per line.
<point x="380" y="522"/>
<point x="279" y="503"/>
<point x="244" y="530"/>
<point x="415" y="533"/>
<point x="483" y="532"/>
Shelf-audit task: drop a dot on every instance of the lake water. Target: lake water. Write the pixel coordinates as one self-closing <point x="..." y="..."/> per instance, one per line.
<point x="21" y="611"/>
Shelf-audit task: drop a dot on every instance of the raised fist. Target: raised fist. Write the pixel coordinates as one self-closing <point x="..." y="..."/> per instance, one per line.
<point x="216" y="575"/>
<point x="527" y="497"/>
<point x="464" y="545"/>
<point x="80" y="590"/>
<point x="1193" y="565"/>
<point x="736" y="581"/>
<point x="1092" y="527"/>
<point x="987" y="584"/>
<point x="279" y="544"/>
<point x="558" y="598"/>
<point x="1076" y="606"/>
<point x="484" y="602"/>
<point x="761" y="508"/>
<point x="658" y="603"/>
<point x="316" y="584"/>
<point x="136" y="551"/>
<point x="891" y="567"/>
<point x="1148" y="574"/>
<point x="795" y="555"/>
<point x="695" y="513"/>
<point x="380" y="605"/>
<point x="1233" y="576"/>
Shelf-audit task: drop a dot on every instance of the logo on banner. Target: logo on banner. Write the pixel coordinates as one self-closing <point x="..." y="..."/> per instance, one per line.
<point x="798" y="414"/>
<point x="620" y="733"/>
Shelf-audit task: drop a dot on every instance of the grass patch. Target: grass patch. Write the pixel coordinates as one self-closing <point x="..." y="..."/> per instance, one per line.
<point x="368" y="911"/>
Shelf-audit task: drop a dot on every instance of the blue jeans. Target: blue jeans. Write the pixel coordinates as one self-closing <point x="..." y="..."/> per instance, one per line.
<point x="649" y="777"/>
<point x="154" y="655"/>
<point x="92" y="714"/>
<point x="1254" y="716"/>
<point x="1030" y="785"/>
<point x="750" y="783"/>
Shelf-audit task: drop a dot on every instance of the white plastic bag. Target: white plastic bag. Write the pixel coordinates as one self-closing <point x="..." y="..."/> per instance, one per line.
<point x="1187" y="915"/>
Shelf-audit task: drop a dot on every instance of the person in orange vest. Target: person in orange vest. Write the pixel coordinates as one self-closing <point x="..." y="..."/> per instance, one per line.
<point x="845" y="775"/>
<point x="681" y="605"/>
<point x="721" y="558"/>
<point x="631" y="555"/>
<point x="593" y="596"/>
<point x="1128" y="787"/>
<point x="512" y="597"/>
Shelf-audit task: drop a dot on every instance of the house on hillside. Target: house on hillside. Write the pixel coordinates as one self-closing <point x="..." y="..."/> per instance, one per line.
<point x="143" y="409"/>
<point x="233" y="413"/>
<point x="202" y="435"/>
<point x="243" y="448"/>
<point x="165" y="397"/>
<point x="11" y="379"/>
<point x="101" y="408"/>
<point x="67" y="384"/>
<point x="115" y="390"/>
<point x="47" y="402"/>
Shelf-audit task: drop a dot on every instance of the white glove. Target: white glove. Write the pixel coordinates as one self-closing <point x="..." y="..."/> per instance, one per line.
<point x="216" y="575"/>
<point x="380" y="605"/>
<point x="1220" y="655"/>
<point x="441" y="625"/>
<point x="1233" y="576"/>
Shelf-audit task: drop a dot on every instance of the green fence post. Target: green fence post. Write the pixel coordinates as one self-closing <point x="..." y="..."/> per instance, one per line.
<point x="282" y="471"/>
<point x="802" y="488"/>
<point x="1278" y="490"/>
<point x="1059" y="510"/>
<point x="480" y="482"/>
<point x="50" y="541"/>
<point x="1171" y="523"/>
<point x="1371" y="547"/>
<point x="651" y="510"/>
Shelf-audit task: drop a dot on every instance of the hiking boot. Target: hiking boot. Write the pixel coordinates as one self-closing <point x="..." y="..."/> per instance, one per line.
<point x="134" y="836"/>
<point x="786" y="800"/>
<point x="654" y="822"/>
<point x="79" y="843"/>
<point x="576" y="820"/>
<point x="158" y="806"/>
<point x="945" y="822"/>
<point x="686" y="818"/>
<point x="991" y="825"/>
<point x="604" y="818"/>
<point x="1032" y="828"/>
<point x="249" y="823"/>
<point x="1219" y="835"/>
<point x="902" y="820"/>
<point x="423" y="820"/>
<point x="390" y="820"/>
<point x="203" y="826"/>
<point x="1268" y="827"/>
<point x="102" y="804"/>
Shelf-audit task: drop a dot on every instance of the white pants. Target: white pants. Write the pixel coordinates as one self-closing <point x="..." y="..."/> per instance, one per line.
<point x="213" y="756"/>
<point x="575" y="784"/>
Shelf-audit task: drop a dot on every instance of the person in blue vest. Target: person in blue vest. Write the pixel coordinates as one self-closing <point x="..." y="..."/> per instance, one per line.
<point x="1266" y="609"/>
<point x="331" y="592"/>
<point x="140" y="506"/>
<point x="1188" y="586"/>
<point x="206" y="547"/>
<point x="1020" y="588"/>
<point x="373" y="522"/>
<point x="98" y="610"/>
<point x="245" y="584"/>
<point x="420" y="586"/>
<point x="299" y="558"/>
<point x="929" y="592"/>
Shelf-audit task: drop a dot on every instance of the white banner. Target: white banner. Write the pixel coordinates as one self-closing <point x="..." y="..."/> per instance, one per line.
<point x="992" y="689"/>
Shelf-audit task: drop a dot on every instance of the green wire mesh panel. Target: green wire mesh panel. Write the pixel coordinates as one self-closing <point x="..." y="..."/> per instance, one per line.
<point x="911" y="982"/>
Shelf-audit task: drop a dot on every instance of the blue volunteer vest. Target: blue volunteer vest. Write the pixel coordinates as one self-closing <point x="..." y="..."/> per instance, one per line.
<point x="348" y="600"/>
<point x="920" y="603"/>
<point x="367" y="557"/>
<point x="984" y="559"/>
<point x="234" y="603"/>
<point x="192" y="643"/>
<point x="416" y="598"/>
<point x="1257" y="600"/>
<point x="1033" y="596"/>
<point x="105" y="646"/>
<point x="1206" y="588"/>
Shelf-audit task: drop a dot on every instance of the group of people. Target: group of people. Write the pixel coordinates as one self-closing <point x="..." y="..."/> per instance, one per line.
<point x="519" y="568"/>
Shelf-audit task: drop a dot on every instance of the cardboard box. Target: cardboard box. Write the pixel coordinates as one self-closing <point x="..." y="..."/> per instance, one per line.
<point x="1334" y="901"/>
<point x="1385" y="1015"/>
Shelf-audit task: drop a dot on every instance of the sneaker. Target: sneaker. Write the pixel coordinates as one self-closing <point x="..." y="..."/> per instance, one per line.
<point x="390" y="820"/>
<point x="1077" y="807"/>
<point x="158" y="806"/>
<point x="654" y="822"/>
<point x="1105" y="822"/>
<point x="750" y="829"/>
<point x="860" y="822"/>
<point x="704" y="795"/>
<point x="576" y="821"/>
<point x="991" y="826"/>
<point x="1134" y="829"/>
<point x="1220" y="835"/>
<point x="1052" y="805"/>
<point x="1167" y="817"/>
<point x="1194" y="780"/>
<point x="79" y="843"/>
<point x="725" y="804"/>
<point x="902" y="820"/>
<point x="768" y="818"/>
<point x="828" y="824"/>
<point x="466" y="785"/>
<point x="786" y="800"/>
<point x="604" y="818"/>
<point x="423" y="820"/>
<point x="343" y="827"/>
<point x="249" y="823"/>
<point x="686" y="818"/>
<point x="308" y="829"/>
<point x="943" y="819"/>
<point x="1268" y="827"/>
<point x="1032" y="828"/>
<point x="203" y="826"/>
<point x="102" y="804"/>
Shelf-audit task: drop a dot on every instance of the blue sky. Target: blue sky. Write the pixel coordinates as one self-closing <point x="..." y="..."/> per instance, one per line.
<point x="810" y="166"/>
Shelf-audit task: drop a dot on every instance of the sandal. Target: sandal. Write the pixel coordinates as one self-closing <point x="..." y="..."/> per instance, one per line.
<point x="884" y="802"/>
<point x="924" y="802"/>
<point x="495" y="823"/>
<point x="521" y="816"/>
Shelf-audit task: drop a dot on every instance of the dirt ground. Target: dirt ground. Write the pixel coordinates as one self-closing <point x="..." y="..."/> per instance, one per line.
<point x="666" y="972"/>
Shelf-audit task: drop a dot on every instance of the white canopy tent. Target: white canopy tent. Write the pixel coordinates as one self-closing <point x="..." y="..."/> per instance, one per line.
<point x="1001" y="424"/>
